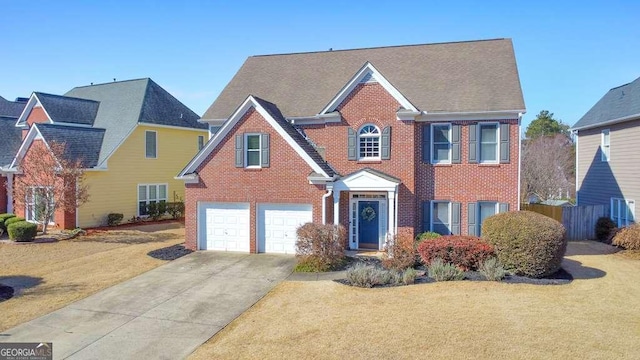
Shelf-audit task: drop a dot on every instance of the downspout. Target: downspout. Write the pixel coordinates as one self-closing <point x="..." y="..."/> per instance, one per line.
<point x="10" y="193"/>
<point x="395" y="223"/>
<point x="519" y="160"/>
<point x="324" y="205"/>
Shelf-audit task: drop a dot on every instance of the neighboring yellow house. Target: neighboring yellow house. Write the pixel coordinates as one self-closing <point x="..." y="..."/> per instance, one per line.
<point x="132" y="136"/>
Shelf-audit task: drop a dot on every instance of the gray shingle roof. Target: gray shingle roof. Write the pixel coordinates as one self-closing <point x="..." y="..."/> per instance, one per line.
<point x="124" y="104"/>
<point x="81" y="143"/>
<point x="10" y="141"/>
<point x="619" y="102"/>
<point x="11" y="109"/>
<point x="445" y="77"/>
<point x="69" y="109"/>
<point x="273" y="110"/>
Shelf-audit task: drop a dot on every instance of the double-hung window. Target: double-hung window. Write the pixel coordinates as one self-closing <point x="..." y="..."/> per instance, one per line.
<point x="488" y="144"/>
<point x="36" y="203"/>
<point x="150" y="194"/>
<point x="441" y="217"/>
<point x="151" y="144"/>
<point x="623" y="211"/>
<point x="605" y="145"/>
<point x="200" y="142"/>
<point x="252" y="150"/>
<point x="441" y="144"/>
<point x="369" y="143"/>
<point x="485" y="210"/>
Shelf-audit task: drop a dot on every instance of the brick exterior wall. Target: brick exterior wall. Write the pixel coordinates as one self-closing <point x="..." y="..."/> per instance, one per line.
<point x="37" y="116"/>
<point x="286" y="180"/>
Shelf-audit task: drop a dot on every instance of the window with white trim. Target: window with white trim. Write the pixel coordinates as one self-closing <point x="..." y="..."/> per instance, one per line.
<point x="150" y="194"/>
<point x="369" y="143"/>
<point x="605" y="145"/>
<point x="441" y="144"/>
<point x="441" y="217"/>
<point x="488" y="143"/>
<point x="623" y="211"/>
<point x="36" y="201"/>
<point x="252" y="153"/>
<point x="151" y="144"/>
<point x="485" y="210"/>
<point x="200" y="142"/>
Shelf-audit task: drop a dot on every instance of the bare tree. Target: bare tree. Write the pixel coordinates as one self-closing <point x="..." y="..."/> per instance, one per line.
<point x="48" y="181"/>
<point x="548" y="167"/>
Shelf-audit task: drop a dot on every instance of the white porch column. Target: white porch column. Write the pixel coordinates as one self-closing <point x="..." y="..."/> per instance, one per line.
<point x="10" y="193"/>
<point x="336" y="207"/>
<point x="391" y="214"/>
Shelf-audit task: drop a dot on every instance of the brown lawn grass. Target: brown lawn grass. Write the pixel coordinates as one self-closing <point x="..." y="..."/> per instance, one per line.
<point x="597" y="316"/>
<point x="69" y="270"/>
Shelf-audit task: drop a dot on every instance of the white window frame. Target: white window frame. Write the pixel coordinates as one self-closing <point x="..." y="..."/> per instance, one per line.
<point x="246" y="151"/>
<point x="158" y="199"/>
<point x="605" y="145"/>
<point x="479" y="213"/>
<point x="479" y="148"/>
<point x="29" y="204"/>
<point x="433" y="143"/>
<point x="375" y="136"/>
<point x="432" y="214"/>
<point x="618" y="217"/>
<point x="155" y="134"/>
<point x="200" y="142"/>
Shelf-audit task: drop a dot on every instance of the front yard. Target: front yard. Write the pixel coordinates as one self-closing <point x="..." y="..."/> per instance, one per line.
<point x="52" y="275"/>
<point x="594" y="317"/>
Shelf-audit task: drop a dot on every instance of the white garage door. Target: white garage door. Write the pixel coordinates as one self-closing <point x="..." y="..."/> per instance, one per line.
<point x="277" y="224"/>
<point x="224" y="226"/>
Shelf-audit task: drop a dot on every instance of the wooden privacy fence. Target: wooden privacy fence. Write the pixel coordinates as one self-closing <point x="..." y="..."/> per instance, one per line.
<point x="580" y="221"/>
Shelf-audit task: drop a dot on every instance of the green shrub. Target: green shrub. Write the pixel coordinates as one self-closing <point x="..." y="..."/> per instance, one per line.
<point x="176" y="209"/>
<point x="526" y="243"/>
<point x="492" y="269"/>
<point x="321" y="245"/>
<point x="628" y="238"/>
<point x="400" y="253"/>
<point x="12" y="220"/>
<point x="427" y="235"/>
<point x="367" y="276"/>
<point x="438" y="270"/>
<point x="156" y="210"/>
<point x="114" y="219"/>
<point x="22" y="231"/>
<point x="311" y="263"/>
<point x="604" y="228"/>
<point x="409" y="276"/>
<point x="4" y="217"/>
<point x="465" y="252"/>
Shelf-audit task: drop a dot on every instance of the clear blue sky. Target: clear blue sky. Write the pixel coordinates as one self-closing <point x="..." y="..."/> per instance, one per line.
<point x="569" y="53"/>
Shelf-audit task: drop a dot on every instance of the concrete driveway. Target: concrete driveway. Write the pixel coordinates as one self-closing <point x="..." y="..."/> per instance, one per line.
<point x="165" y="313"/>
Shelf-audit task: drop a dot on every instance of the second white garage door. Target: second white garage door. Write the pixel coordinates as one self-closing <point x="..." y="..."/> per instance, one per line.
<point x="224" y="226"/>
<point x="277" y="224"/>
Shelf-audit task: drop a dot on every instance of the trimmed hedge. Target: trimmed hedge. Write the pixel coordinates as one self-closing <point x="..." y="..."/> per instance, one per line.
<point x="114" y="219"/>
<point x="628" y="238"/>
<point x="12" y="220"/>
<point x="526" y="243"/>
<point x="465" y="252"/>
<point x="4" y="217"/>
<point x="22" y="231"/>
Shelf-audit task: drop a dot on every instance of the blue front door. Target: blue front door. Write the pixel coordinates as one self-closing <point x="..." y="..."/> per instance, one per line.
<point x="368" y="224"/>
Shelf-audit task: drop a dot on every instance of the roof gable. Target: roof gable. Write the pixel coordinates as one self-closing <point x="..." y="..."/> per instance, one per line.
<point x="619" y="103"/>
<point x="449" y="77"/>
<point x="65" y="109"/>
<point x="274" y="117"/>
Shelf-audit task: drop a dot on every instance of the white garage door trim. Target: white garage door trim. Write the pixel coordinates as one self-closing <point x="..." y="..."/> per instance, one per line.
<point x="224" y="226"/>
<point x="277" y="224"/>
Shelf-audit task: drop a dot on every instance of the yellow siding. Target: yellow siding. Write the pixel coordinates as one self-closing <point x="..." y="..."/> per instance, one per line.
<point x="116" y="190"/>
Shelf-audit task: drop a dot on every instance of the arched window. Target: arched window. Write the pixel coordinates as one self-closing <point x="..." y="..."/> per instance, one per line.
<point x="369" y="142"/>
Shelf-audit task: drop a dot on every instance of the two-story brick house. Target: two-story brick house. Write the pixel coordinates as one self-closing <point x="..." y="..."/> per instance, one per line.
<point x="389" y="140"/>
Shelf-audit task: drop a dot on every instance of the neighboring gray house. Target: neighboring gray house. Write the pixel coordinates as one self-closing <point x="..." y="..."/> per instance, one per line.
<point x="608" y="157"/>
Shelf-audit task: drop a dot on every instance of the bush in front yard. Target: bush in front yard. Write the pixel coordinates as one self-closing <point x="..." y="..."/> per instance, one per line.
<point x="427" y="235"/>
<point x="12" y="220"/>
<point x="176" y="209"/>
<point x="400" y="253"/>
<point x="156" y="210"/>
<point x="492" y="269"/>
<point x="628" y="238"/>
<point x="465" y="252"/>
<point x="604" y="228"/>
<point x="526" y="243"/>
<point x="114" y="219"/>
<point x="3" y="218"/>
<point x="321" y="245"/>
<point x="439" y="270"/>
<point x="22" y="231"/>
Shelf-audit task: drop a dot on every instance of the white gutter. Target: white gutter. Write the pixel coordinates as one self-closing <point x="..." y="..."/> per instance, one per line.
<point x="324" y="205"/>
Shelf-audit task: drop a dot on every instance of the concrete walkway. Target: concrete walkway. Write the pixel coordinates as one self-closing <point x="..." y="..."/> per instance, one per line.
<point x="165" y="313"/>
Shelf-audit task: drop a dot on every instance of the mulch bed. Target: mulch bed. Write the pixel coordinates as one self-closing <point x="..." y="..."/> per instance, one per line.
<point x="170" y="252"/>
<point x="6" y="292"/>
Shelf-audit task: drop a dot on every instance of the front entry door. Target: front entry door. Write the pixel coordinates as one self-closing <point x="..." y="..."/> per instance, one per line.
<point x="368" y="224"/>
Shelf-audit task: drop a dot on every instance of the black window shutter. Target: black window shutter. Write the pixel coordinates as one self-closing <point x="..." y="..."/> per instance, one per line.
<point x="503" y="207"/>
<point x="472" y="221"/>
<point x="385" y="149"/>
<point x="455" y="218"/>
<point x="455" y="144"/>
<point x="504" y="143"/>
<point x="426" y="143"/>
<point x="264" y="158"/>
<point x="351" y="144"/>
<point x="239" y="151"/>
<point x="473" y="143"/>
<point x="426" y="218"/>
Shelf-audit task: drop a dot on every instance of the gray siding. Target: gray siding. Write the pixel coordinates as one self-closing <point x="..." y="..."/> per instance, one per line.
<point x="598" y="181"/>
